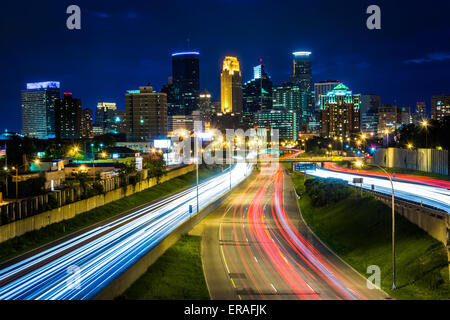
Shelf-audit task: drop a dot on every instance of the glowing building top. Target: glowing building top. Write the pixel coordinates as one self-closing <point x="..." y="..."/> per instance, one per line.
<point x="231" y="86"/>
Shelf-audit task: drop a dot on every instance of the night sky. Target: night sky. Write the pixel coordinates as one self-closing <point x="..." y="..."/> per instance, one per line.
<point x="124" y="44"/>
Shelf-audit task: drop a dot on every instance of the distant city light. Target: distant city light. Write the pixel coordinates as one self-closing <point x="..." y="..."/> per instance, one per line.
<point x="185" y="53"/>
<point x="43" y="85"/>
<point x="302" y="53"/>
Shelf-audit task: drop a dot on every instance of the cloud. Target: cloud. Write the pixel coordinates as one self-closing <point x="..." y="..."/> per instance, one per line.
<point x="431" y="57"/>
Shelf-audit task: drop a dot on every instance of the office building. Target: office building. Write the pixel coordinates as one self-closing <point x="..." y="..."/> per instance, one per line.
<point x="369" y="102"/>
<point x="231" y="86"/>
<point x="302" y="77"/>
<point x="440" y="107"/>
<point x="185" y="82"/>
<point x="68" y="116"/>
<point x="87" y="126"/>
<point x="290" y="97"/>
<point x="281" y="119"/>
<point x="38" y="109"/>
<point x="369" y="123"/>
<point x="391" y="118"/>
<point x="146" y="114"/>
<point x="340" y="113"/>
<point x="323" y="87"/>
<point x="105" y="117"/>
<point x="421" y="110"/>
<point x="256" y="95"/>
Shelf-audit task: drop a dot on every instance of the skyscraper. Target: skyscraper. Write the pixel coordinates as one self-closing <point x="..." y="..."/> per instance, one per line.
<point x="68" y="116"/>
<point x="302" y="77"/>
<point x="146" y="114"/>
<point x="86" y="126"/>
<point x="281" y="119"/>
<point x="186" y="81"/>
<point x="421" y="110"/>
<point x="231" y="86"/>
<point x="38" y="108"/>
<point x="440" y="107"/>
<point x="256" y="94"/>
<point x="340" y="113"/>
<point x="105" y="116"/>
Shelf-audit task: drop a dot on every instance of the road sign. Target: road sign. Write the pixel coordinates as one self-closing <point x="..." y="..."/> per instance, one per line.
<point x="303" y="166"/>
<point x="358" y="180"/>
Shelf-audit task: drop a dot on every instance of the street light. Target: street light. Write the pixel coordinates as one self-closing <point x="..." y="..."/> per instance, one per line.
<point x="360" y="164"/>
<point x="425" y="124"/>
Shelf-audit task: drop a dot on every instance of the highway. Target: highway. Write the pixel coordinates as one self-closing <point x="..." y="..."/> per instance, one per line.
<point x="432" y="196"/>
<point x="256" y="246"/>
<point x="79" y="268"/>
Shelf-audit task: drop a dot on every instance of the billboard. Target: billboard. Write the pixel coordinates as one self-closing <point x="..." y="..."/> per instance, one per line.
<point x="162" y="143"/>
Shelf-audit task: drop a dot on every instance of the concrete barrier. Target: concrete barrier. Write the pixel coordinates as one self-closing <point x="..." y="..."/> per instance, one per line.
<point x="20" y="227"/>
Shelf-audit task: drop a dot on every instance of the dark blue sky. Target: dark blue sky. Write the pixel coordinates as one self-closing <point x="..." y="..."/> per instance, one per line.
<point x="124" y="44"/>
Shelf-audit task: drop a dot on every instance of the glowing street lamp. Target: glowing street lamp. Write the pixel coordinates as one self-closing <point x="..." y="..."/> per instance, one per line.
<point x="410" y="146"/>
<point x="360" y="164"/>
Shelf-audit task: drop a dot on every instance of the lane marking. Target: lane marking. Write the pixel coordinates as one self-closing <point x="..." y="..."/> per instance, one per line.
<point x="274" y="288"/>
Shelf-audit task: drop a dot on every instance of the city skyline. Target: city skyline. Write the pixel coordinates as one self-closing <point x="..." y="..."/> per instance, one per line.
<point x="93" y="65"/>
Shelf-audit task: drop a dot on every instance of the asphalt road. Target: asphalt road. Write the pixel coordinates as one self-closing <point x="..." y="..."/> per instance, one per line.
<point x="256" y="246"/>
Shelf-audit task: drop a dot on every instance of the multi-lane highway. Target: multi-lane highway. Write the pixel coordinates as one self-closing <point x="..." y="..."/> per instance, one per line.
<point x="80" y="267"/>
<point x="256" y="246"/>
<point x="432" y="196"/>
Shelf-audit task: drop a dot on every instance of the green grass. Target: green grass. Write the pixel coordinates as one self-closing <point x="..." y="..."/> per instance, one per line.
<point x="359" y="231"/>
<point x="31" y="240"/>
<point x="176" y="275"/>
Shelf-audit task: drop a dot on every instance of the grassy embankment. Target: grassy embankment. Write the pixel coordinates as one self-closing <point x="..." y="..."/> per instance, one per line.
<point x="31" y="240"/>
<point x="359" y="231"/>
<point x="176" y="275"/>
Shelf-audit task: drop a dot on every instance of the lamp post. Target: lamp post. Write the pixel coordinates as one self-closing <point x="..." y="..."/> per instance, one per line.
<point x="360" y="164"/>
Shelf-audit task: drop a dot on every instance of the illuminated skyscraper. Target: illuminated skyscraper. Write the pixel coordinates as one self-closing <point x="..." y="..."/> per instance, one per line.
<point x="440" y="107"/>
<point x="185" y="82"/>
<point x="340" y="113"/>
<point x="38" y="108"/>
<point x="105" y="116"/>
<point x="231" y="86"/>
<point x="302" y="78"/>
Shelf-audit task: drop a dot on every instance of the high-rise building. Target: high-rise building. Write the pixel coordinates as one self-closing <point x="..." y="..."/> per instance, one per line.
<point x="340" y="113"/>
<point x="231" y="86"/>
<point x="290" y="97"/>
<point x="38" y="108"/>
<point x="68" y="116"/>
<point x="369" y="122"/>
<point x="207" y="108"/>
<point x="302" y="77"/>
<point x="281" y="119"/>
<point x="185" y="81"/>
<point x="87" y="130"/>
<point x="391" y="117"/>
<point x="105" y="117"/>
<point x="440" y="107"/>
<point x="421" y="110"/>
<point x="256" y="95"/>
<point x="369" y="102"/>
<point x="146" y="114"/>
<point x="121" y="121"/>
<point x="323" y="87"/>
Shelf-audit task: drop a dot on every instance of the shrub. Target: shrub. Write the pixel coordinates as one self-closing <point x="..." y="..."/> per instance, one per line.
<point x="327" y="191"/>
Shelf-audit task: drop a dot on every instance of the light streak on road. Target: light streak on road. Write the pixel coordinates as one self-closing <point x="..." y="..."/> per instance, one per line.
<point x="102" y="254"/>
<point x="278" y="262"/>
<point x="400" y="176"/>
<point x="432" y="196"/>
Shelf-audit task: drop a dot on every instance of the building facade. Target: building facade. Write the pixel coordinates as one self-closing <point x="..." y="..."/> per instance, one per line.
<point x="105" y="117"/>
<point x="340" y="115"/>
<point x="283" y="120"/>
<point x="146" y="114"/>
<point x="185" y="82"/>
<point x="87" y="126"/>
<point x="440" y="107"/>
<point x="302" y="77"/>
<point x="231" y="86"/>
<point x="68" y="114"/>
<point x="38" y="109"/>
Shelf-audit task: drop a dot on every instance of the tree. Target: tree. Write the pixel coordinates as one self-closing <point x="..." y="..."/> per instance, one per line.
<point x="156" y="167"/>
<point x="83" y="178"/>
